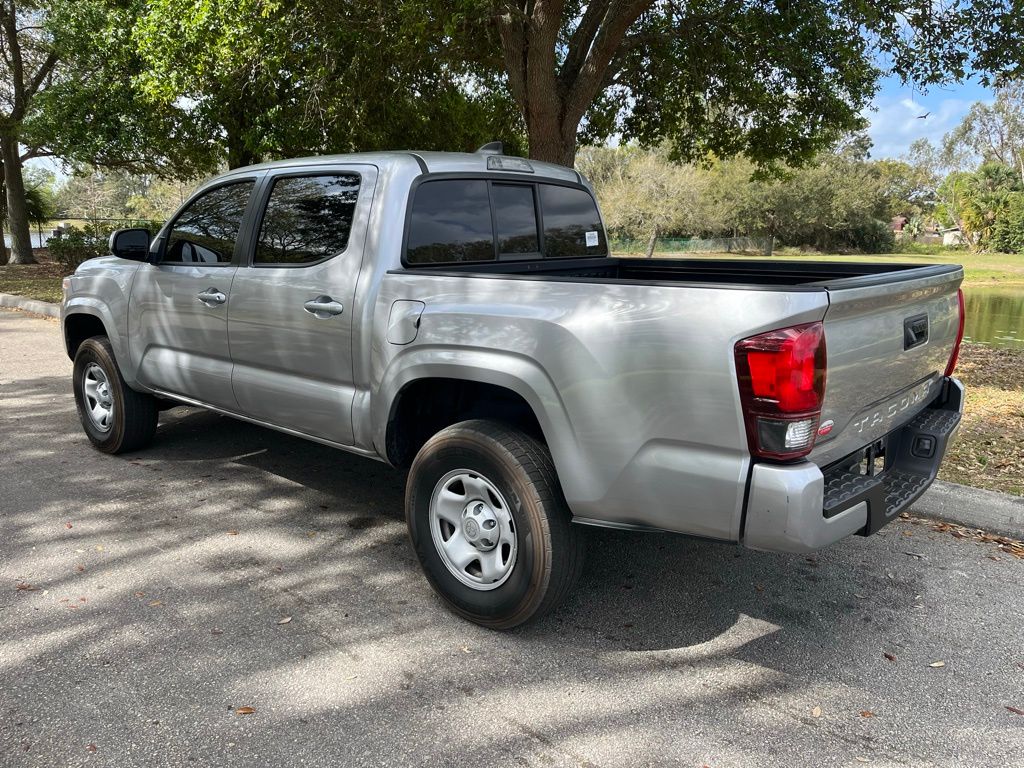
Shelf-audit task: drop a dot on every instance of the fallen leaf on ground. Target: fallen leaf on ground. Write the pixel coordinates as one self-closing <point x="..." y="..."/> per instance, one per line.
<point x="1016" y="711"/>
<point x="140" y="594"/>
<point x="90" y="747"/>
<point x="285" y="620"/>
<point x="232" y="533"/>
<point x="79" y="568"/>
<point x="216" y="631"/>
<point x="861" y="759"/>
<point x="245" y="711"/>
<point x="24" y="586"/>
<point x="816" y="712"/>
<point x="68" y="525"/>
<point x="937" y="664"/>
<point x="889" y="656"/>
<point x="154" y="603"/>
<point x="866" y="713"/>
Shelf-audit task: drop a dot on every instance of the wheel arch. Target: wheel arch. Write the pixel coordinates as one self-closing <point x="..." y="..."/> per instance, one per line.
<point x="421" y="399"/>
<point x="79" y="326"/>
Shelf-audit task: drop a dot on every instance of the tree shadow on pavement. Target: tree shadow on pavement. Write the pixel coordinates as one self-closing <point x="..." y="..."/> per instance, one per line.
<point x="231" y="565"/>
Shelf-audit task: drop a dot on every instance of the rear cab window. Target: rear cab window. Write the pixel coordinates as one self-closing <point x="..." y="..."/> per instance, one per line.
<point x="307" y="219"/>
<point x="460" y="220"/>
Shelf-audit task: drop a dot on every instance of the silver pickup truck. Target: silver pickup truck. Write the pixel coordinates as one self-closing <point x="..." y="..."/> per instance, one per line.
<point x="460" y="316"/>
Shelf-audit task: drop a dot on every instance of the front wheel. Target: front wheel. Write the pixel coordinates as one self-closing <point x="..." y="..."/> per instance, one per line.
<point x="115" y="417"/>
<point x="490" y="525"/>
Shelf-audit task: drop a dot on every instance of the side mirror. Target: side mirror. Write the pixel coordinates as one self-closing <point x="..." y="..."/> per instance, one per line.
<point x="131" y="244"/>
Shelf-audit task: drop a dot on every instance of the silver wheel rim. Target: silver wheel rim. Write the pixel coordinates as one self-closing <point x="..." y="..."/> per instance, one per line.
<point x="473" y="530"/>
<point x="99" y="402"/>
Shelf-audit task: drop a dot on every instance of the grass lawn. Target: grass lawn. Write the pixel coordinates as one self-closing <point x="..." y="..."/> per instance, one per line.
<point x="989" y="452"/>
<point x="1004" y="270"/>
<point x="35" y="281"/>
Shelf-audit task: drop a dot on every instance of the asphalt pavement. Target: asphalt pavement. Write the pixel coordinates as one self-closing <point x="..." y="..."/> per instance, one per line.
<point x="146" y="599"/>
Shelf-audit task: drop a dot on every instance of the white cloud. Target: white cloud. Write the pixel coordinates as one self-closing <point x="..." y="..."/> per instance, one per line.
<point x="897" y="122"/>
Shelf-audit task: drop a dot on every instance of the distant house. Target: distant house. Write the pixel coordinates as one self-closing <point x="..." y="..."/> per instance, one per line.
<point x="953" y="236"/>
<point x="898" y="223"/>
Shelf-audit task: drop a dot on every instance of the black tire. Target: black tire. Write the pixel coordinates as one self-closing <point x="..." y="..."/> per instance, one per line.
<point x="134" y="414"/>
<point x="549" y="547"/>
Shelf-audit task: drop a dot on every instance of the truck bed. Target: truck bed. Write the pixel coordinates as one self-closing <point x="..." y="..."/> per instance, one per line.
<point x="790" y="274"/>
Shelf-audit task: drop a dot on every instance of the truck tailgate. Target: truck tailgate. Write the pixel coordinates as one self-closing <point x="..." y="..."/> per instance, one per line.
<point x="888" y="339"/>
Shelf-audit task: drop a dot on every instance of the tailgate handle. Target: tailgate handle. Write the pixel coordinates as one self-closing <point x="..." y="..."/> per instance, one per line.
<point x="915" y="331"/>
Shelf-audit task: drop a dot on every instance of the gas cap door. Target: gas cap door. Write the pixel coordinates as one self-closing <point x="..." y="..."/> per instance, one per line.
<point x="404" y="322"/>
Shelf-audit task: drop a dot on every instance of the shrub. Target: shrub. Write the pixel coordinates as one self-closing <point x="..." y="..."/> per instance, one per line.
<point x="1008" y="232"/>
<point x="871" y="236"/>
<point x="71" y="246"/>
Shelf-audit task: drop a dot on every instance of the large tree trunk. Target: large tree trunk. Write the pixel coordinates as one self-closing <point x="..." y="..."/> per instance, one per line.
<point x="555" y="81"/>
<point x="552" y="138"/>
<point x="17" y="210"/>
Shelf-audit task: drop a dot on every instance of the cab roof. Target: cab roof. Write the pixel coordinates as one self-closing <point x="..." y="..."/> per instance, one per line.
<point x="429" y="162"/>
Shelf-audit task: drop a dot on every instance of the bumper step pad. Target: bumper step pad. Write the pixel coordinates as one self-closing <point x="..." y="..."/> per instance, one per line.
<point x="913" y="454"/>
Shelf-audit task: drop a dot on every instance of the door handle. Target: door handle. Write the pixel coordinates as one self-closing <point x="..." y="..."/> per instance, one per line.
<point x="323" y="307"/>
<point x="211" y="296"/>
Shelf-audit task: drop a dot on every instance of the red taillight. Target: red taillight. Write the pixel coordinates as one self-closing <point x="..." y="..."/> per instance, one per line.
<point x="955" y="354"/>
<point x="782" y="384"/>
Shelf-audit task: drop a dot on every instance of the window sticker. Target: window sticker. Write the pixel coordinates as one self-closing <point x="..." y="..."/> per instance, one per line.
<point x="591" y="239"/>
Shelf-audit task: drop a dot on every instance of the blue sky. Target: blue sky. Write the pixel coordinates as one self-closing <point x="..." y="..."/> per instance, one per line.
<point x="894" y="119"/>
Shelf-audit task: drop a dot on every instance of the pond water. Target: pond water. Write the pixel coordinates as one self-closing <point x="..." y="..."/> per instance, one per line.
<point x="995" y="316"/>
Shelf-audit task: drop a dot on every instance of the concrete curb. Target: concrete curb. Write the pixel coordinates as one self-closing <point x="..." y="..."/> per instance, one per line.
<point x="45" y="308"/>
<point x="973" y="508"/>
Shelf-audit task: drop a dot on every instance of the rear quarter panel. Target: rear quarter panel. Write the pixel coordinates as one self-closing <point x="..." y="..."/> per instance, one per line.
<point x="634" y="385"/>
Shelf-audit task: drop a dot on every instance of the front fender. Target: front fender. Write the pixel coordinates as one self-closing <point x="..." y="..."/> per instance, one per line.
<point x="116" y="331"/>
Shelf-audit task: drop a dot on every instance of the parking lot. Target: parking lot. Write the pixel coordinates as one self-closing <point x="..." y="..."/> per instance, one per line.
<point x="146" y="599"/>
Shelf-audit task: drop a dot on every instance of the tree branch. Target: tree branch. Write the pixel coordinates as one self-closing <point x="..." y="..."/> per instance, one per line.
<point x="617" y="20"/>
<point x="9" y="25"/>
<point x="582" y="39"/>
<point x="41" y="74"/>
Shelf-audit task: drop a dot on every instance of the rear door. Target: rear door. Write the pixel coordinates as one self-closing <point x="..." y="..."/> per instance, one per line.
<point x="179" y="330"/>
<point x="291" y="305"/>
<point x="888" y="344"/>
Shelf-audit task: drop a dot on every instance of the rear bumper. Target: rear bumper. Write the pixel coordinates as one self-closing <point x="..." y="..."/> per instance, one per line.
<point x="800" y="508"/>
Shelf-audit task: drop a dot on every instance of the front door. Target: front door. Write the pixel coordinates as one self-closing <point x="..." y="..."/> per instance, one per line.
<point x="179" y="330"/>
<point x="291" y="307"/>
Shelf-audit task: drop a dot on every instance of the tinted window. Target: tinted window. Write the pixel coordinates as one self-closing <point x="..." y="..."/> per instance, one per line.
<point x="515" y="218"/>
<point x="450" y="221"/>
<point x="307" y="219"/>
<point x="206" y="231"/>
<point x="572" y="226"/>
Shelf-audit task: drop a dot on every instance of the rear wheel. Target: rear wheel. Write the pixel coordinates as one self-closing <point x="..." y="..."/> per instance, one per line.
<point x="490" y="525"/>
<point x="114" y="416"/>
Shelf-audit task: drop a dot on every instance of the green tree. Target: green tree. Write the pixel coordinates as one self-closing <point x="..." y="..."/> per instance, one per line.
<point x="27" y="67"/>
<point x="988" y="192"/>
<point x="69" y="90"/>
<point x="993" y="132"/>
<point x="1008" y="231"/>
<point x="768" y="80"/>
<point x="273" y="79"/>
